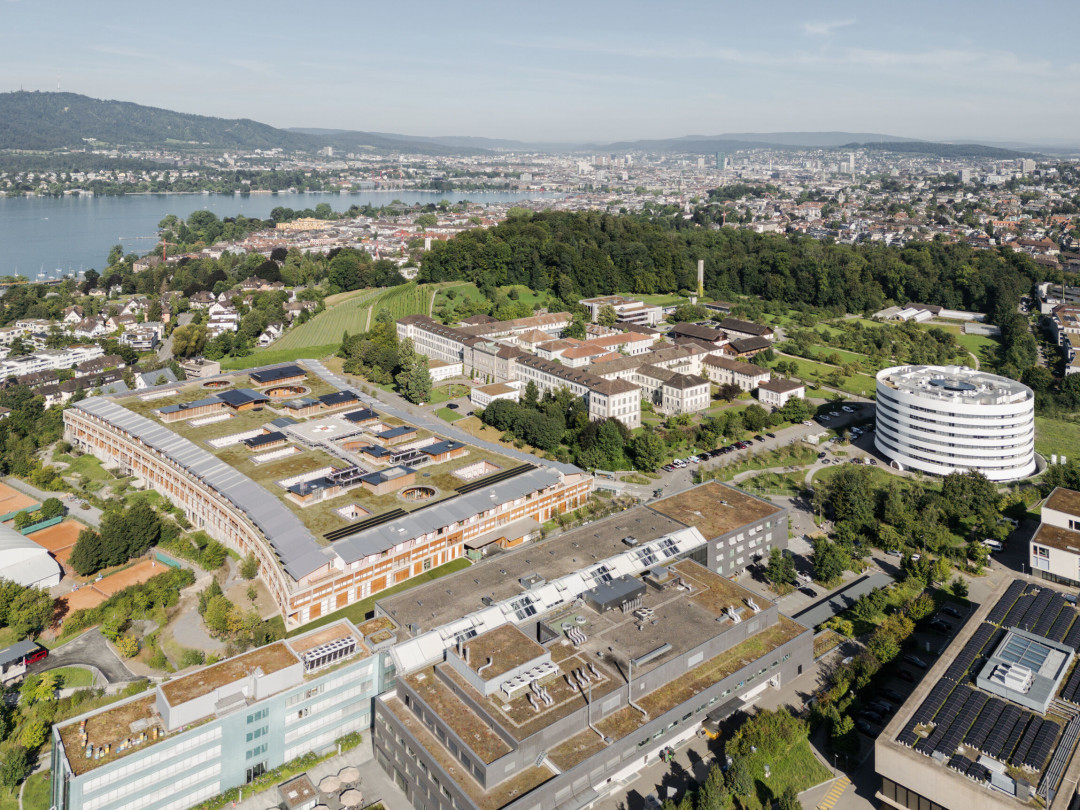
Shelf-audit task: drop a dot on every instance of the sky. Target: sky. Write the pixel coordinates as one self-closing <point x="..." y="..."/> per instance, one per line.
<point x="586" y="71"/>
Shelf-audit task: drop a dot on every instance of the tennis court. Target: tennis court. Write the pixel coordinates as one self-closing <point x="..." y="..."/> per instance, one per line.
<point x="11" y="500"/>
<point x="140" y="572"/>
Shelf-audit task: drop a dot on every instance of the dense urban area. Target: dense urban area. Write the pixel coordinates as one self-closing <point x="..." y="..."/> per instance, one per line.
<point x="699" y="479"/>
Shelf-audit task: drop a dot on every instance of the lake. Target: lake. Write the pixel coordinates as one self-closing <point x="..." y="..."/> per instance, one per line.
<point x="69" y="234"/>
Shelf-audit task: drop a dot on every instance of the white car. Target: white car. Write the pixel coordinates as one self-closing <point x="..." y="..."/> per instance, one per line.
<point x="846" y="409"/>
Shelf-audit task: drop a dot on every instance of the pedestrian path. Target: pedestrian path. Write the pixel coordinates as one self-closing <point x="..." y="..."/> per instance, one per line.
<point x="834" y="794"/>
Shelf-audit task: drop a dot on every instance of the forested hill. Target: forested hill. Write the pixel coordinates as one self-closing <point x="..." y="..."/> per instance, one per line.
<point x="579" y="255"/>
<point x="58" y="120"/>
<point x="43" y="121"/>
<point x="946" y="150"/>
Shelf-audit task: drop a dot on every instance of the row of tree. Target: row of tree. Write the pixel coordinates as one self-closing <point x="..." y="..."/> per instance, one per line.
<point x="124" y="533"/>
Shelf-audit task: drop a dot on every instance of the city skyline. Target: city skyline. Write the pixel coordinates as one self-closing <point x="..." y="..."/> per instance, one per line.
<point x="601" y="73"/>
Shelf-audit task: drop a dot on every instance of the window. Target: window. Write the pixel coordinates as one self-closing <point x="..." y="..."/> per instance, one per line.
<point x="254" y="752"/>
<point x="254" y="735"/>
<point x="255" y="771"/>
<point x="259" y="715"/>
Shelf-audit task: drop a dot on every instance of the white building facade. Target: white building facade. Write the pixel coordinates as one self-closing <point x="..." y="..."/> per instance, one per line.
<point x="944" y="419"/>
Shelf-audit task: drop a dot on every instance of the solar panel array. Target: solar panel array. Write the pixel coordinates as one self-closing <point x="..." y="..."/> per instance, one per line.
<point x="1042" y="746"/>
<point x="293" y="544"/>
<point x="1071" y="690"/>
<point x="959" y="714"/>
<point x="999" y="611"/>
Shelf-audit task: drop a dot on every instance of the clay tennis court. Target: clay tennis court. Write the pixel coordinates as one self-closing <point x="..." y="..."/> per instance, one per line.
<point x="57" y="537"/>
<point x="11" y="500"/>
<point x="85" y="597"/>
<point x="140" y="572"/>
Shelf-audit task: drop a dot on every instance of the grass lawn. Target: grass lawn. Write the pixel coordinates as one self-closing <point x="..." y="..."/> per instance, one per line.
<point x="1056" y="436"/>
<point x="797" y="768"/>
<point x="448" y="415"/>
<point x="278" y="354"/>
<point x="88" y="467"/>
<point x="37" y="794"/>
<point x="985" y="348"/>
<point x="878" y="476"/>
<point x="665" y="300"/>
<point x="357" y="612"/>
<point x="445" y="393"/>
<point x="7" y="637"/>
<point x="9" y="800"/>
<point x="73" y="677"/>
<point x="810" y="371"/>
<point x="822" y="351"/>
<point x="785" y="456"/>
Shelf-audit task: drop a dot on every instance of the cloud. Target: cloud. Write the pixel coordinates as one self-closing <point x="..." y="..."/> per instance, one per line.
<point x="825" y="29"/>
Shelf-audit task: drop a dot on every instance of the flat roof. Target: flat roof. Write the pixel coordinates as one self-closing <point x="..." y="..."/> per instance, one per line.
<point x="714" y="509"/>
<point x="497" y="578"/>
<point x="1064" y="500"/>
<point x="952" y="383"/>
<point x="1056" y="537"/>
<point x="270" y="658"/>
<point x="265" y="376"/>
<point x="506" y="647"/>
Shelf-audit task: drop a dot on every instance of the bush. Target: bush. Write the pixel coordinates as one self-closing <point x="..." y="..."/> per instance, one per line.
<point x="127" y="646"/>
<point x="192" y="658"/>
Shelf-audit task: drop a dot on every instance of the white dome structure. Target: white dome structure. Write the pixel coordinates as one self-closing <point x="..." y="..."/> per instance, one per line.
<point x="944" y="419"/>
<point x="25" y="562"/>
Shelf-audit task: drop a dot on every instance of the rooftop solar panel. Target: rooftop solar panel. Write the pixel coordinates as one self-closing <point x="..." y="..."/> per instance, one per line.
<point x="1062" y="624"/>
<point x="1069" y="690"/>
<point x="1000" y="730"/>
<point x="1024" y="747"/>
<point x="1072" y="638"/>
<point x="1005" y="603"/>
<point x="1017" y="612"/>
<point x="978" y="772"/>
<point x="1043" y="745"/>
<point x="1015" y="733"/>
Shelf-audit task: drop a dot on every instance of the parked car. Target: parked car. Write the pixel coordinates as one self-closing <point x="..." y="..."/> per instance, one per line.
<point x="826" y="461"/>
<point x="883" y="707"/>
<point x="873" y="461"/>
<point x="40" y="654"/>
<point x="452" y="406"/>
<point x="892" y="552"/>
<point x="865" y="728"/>
<point x="821" y="454"/>
<point x="893" y="695"/>
<point x="905" y="675"/>
<point x="771" y="435"/>
<point x="759" y="438"/>
<point x="914" y="659"/>
<point x="808" y="423"/>
<point x="951" y="611"/>
<point x="668" y="468"/>
<point x="808" y="590"/>
<point x="872" y="716"/>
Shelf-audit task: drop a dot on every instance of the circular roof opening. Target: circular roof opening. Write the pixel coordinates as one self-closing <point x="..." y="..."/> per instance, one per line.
<point x="953" y="385"/>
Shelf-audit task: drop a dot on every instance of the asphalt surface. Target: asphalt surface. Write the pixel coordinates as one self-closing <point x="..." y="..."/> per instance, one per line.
<point x="89" y="649"/>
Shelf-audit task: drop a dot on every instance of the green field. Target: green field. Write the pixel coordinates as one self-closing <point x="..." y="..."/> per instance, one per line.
<point x="1057" y="437"/>
<point x="448" y="415"/>
<point x="857" y="384"/>
<point x="73" y="677"/>
<point x="985" y="348"/>
<point x="659" y="300"/>
<point x="37" y="793"/>
<point x="326" y="327"/>
<point x="267" y="357"/>
<point x="445" y="393"/>
<point x="821" y="351"/>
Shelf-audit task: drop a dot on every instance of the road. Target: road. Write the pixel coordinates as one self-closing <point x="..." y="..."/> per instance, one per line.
<point x="164" y="352"/>
<point x="89" y="649"/>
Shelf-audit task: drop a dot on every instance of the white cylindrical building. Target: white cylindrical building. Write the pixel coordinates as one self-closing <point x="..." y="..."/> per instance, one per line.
<point x="943" y="419"/>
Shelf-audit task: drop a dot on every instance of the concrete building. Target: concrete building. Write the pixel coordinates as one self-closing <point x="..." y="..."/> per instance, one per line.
<point x="627" y="310"/>
<point x="994" y="723"/>
<point x="1054" y="549"/>
<point x="488" y="709"/>
<point x="483" y="395"/>
<point x="310" y="575"/>
<point x="776" y="393"/>
<point x="940" y="419"/>
<point x="671" y="392"/>
<point x="200" y="734"/>
<point x="199" y="368"/>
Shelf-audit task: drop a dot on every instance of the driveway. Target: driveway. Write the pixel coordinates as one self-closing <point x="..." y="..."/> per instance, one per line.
<point x="91" y="650"/>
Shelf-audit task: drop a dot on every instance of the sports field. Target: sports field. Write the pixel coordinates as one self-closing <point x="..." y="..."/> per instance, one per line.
<point x="138" y="573"/>
<point x="59" y="540"/>
<point x="11" y="500"/>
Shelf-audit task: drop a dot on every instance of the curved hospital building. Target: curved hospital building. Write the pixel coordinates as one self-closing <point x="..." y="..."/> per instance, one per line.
<point x="944" y="419"/>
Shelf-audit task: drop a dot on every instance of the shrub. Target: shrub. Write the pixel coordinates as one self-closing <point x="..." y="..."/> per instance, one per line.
<point x="127" y="646"/>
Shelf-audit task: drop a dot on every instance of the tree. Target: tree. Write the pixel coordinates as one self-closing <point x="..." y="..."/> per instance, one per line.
<point x="607" y="316"/>
<point x="249" y="567"/>
<point x="15" y="765"/>
<point x="789" y="799"/>
<point x="755" y="417"/>
<point x="648" y="450"/>
<point x="87" y="557"/>
<point x="128" y="646"/>
<point x="414" y="379"/>
<point x="52" y="507"/>
<point x="712" y="795"/>
<point x="959" y="588"/>
<point x="33" y="735"/>
<point x="30" y="612"/>
<point x="189" y="340"/>
<point x="781" y="568"/>
<point x="531" y="395"/>
<point x="829" y="560"/>
<point x="739" y="779"/>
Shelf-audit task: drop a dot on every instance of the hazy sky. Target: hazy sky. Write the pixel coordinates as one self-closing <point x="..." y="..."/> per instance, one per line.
<point x="587" y="70"/>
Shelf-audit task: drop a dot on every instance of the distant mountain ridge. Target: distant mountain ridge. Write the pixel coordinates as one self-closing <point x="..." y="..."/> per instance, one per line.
<point x="45" y="121"/>
<point x="38" y="121"/>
